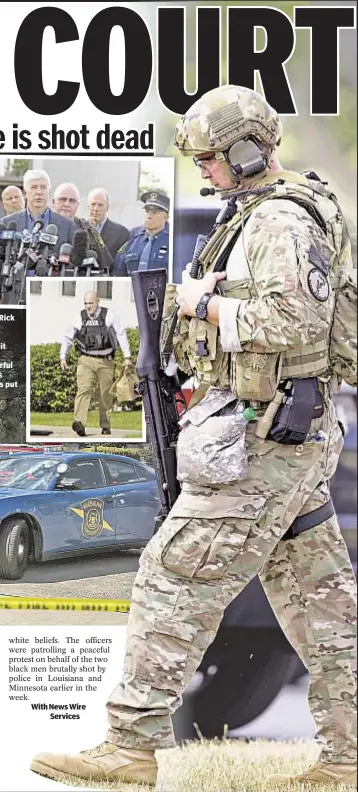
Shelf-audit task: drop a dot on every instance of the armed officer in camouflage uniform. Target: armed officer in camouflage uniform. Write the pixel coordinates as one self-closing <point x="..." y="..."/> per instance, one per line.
<point x="259" y="319"/>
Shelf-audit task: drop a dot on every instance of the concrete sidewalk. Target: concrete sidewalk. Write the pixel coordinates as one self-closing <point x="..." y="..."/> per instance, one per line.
<point x="66" y="433"/>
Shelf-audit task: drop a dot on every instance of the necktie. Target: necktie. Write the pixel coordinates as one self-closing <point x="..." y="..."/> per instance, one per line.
<point x="144" y="259"/>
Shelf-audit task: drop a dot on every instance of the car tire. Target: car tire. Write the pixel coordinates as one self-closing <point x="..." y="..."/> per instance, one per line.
<point x="14" y="548"/>
<point x="246" y="681"/>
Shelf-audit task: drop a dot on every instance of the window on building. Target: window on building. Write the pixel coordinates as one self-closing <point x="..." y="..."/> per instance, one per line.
<point x="104" y="289"/>
<point x="35" y="287"/>
<point x="68" y="289"/>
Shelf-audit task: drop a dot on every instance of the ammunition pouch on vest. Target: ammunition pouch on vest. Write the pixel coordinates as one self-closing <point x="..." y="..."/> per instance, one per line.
<point x="94" y="338"/>
<point x="253" y="374"/>
<point x="303" y="404"/>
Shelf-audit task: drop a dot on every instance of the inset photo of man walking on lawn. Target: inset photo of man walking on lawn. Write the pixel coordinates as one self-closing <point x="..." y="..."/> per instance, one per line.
<point x="83" y="343"/>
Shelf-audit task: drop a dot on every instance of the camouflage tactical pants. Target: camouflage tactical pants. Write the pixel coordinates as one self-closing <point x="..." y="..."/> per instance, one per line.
<point x="211" y="545"/>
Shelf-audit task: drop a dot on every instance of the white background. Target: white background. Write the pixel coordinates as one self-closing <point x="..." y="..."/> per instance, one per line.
<point x="26" y="732"/>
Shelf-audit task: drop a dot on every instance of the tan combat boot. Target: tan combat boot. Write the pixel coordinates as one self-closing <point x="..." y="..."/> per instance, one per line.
<point x="322" y="773"/>
<point x="107" y="762"/>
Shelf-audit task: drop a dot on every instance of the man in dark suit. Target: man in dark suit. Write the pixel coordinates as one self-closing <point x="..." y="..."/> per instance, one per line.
<point x="37" y="189"/>
<point x="113" y="234"/>
<point x="66" y="200"/>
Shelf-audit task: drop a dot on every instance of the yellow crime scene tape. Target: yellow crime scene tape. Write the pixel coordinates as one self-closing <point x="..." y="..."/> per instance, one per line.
<point x="63" y="604"/>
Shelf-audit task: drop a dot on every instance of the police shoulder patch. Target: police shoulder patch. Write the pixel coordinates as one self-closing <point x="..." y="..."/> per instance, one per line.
<point x="318" y="285"/>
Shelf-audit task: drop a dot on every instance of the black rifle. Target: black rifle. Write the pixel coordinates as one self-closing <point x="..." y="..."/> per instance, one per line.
<point x="156" y="388"/>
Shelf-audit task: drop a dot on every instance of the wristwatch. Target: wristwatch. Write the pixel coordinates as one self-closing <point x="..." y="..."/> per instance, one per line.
<point x="201" y="310"/>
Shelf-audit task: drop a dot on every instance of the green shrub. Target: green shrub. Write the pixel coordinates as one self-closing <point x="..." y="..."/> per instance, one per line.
<point x="53" y="391"/>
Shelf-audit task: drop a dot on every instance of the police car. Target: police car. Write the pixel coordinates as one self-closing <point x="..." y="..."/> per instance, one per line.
<point x="55" y="505"/>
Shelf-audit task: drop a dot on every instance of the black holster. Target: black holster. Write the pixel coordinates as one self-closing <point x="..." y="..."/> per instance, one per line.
<point x="292" y="421"/>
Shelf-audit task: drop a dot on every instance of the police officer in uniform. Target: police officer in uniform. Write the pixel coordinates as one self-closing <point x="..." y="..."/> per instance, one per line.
<point x="96" y="334"/>
<point x="148" y="245"/>
<point x="258" y="329"/>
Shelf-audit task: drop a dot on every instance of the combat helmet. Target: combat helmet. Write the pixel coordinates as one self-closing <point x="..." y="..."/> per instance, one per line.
<point x="236" y="124"/>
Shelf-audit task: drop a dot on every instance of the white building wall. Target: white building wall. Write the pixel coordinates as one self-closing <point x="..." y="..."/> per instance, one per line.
<point x="119" y="177"/>
<point x="51" y="313"/>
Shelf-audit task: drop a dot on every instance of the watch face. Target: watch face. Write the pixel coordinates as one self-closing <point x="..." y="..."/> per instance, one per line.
<point x="201" y="310"/>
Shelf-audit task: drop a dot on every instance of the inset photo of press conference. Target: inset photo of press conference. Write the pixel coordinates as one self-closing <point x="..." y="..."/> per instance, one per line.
<point x="91" y="218"/>
<point x="82" y="347"/>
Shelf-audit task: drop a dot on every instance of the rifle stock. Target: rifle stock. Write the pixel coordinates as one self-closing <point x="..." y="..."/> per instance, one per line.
<point x="156" y="388"/>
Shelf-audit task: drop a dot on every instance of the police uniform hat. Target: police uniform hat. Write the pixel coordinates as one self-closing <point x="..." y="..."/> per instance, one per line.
<point x="156" y="198"/>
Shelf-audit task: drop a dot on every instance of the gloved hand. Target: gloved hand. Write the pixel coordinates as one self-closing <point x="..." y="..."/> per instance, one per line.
<point x="128" y="363"/>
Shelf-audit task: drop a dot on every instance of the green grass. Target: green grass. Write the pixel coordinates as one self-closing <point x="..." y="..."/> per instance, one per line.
<point x="226" y="766"/>
<point x="119" y="420"/>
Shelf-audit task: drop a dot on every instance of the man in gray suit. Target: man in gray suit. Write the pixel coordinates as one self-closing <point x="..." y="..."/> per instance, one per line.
<point x="37" y="188"/>
<point x="113" y="234"/>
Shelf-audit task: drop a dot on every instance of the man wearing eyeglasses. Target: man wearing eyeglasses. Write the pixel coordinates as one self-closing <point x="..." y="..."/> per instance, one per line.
<point x="66" y="201"/>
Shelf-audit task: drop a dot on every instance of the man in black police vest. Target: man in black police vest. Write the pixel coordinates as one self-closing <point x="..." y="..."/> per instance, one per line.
<point x="96" y="333"/>
<point x="148" y="245"/>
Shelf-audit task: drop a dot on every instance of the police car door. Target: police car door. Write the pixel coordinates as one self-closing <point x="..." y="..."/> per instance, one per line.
<point x="88" y="505"/>
<point x="137" y="499"/>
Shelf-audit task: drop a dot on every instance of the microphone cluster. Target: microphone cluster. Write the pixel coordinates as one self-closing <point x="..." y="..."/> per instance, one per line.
<point x="33" y="254"/>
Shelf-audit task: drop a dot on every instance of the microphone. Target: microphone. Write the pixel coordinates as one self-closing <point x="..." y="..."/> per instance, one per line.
<point x="90" y="262"/>
<point x="208" y="191"/>
<point x="64" y="258"/>
<point x="47" y="240"/>
<point x="2" y="238"/>
<point x="91" y="256"/>
<point x="39" y="224"/>
<point x="79" y="249"/>
<point x="65" y="253"/>
<point x="2" y="251"/>
<point x="31" y="244"/>
<point x="49" y="236"/>
<point x="25" y="244"/>
<point x="41" y="267"/>
<point x="10" y="247"/>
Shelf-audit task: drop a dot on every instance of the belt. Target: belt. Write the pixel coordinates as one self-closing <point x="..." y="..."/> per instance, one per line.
<point x="260" y="406"/>
<point x="98" y="357"/>
<point x="310" y="520"/>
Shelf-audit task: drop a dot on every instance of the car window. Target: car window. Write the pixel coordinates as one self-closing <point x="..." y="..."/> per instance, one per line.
<point x="121" y="472"/>
<point x="144" y="472"/>
<point x="27" y="472"/>
<point x="88" y="471"/>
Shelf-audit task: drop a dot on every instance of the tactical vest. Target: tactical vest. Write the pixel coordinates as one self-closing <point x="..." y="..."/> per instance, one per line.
<point x="253" y="374"/>
<point x="94" y="338"/>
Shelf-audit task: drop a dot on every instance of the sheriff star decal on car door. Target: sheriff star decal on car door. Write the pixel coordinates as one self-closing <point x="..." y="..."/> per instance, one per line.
<point x="93" y="521"/>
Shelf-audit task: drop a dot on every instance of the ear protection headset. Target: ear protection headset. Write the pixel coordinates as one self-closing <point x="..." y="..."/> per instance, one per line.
<point x="245" y="158"/>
